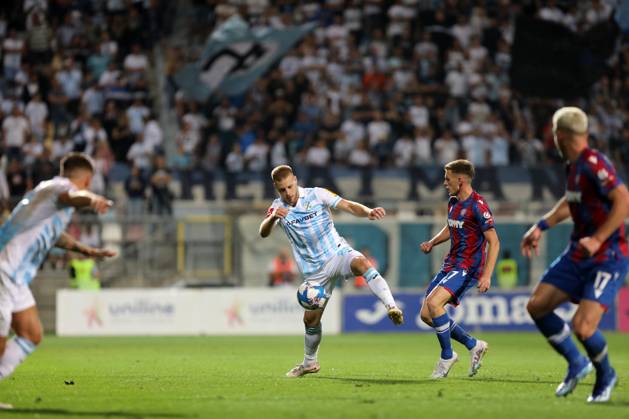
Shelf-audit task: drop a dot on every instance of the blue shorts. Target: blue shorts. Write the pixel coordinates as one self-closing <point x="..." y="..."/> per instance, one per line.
<point x="456" y="282"/>
<point x="587" y="280"/>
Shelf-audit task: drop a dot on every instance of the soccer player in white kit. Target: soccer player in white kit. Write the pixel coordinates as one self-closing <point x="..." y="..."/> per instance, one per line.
<point x="322" y="255"/>
<point x="36" y="225"/>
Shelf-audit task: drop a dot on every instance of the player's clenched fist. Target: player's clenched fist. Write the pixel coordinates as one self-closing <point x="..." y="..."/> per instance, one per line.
<point x="426" y="247"/>
<point x="377" y="213"/>
<point x="100" y="204"/>
<point x="531" y="241"/>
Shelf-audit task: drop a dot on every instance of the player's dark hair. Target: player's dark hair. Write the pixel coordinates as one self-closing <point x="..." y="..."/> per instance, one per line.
<point x="461" y="167"/>
<point x="74" y="162"/>
<point x="281" y="172"/>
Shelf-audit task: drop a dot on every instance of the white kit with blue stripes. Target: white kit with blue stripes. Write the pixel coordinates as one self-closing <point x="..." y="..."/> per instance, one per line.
<point x="33" y="228"/>
<point x="310" y="229"/>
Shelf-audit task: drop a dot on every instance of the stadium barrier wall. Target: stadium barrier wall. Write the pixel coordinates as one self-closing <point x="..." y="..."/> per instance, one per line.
<point x="494" y="311"/>
<point x="233" y="311"/>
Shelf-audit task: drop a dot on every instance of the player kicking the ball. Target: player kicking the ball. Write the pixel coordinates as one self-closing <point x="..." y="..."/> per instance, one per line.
<point x="470" y="227"/>
<point x="322" y="255"/>
<point x="595" y="263"/>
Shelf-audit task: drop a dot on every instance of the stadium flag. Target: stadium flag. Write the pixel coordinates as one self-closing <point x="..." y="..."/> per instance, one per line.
<point x="235" y="56"/>
<point x="551" y="61"/>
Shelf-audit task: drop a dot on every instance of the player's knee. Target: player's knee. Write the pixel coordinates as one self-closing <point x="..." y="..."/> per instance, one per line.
<point x="583" y="328"/>
<point x="360" y="265"/>
<point x="34" y="336"/>
<point x="426" y="318"/>
<point x="434" y="306"/>
<point x="534" y="308"/>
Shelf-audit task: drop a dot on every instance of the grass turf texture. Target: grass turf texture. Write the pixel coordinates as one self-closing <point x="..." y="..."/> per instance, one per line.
<point x="367" y="376"/>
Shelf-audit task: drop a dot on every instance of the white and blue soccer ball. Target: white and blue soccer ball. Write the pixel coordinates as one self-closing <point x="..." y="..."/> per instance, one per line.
<point x="311" y="296"/>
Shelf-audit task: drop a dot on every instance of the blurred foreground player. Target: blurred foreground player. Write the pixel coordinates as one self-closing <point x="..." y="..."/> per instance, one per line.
<point x="593" y="266"/>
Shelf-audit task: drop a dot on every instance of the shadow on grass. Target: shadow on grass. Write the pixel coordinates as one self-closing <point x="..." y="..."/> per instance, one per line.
<point x="356" y="380"/>
<point x="106" y="414"/>
<point x="510" y="380"/>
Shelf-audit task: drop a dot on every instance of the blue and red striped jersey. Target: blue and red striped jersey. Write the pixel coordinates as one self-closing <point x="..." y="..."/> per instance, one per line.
<point x="590" y="180"/>
<point x="467" y="221"/>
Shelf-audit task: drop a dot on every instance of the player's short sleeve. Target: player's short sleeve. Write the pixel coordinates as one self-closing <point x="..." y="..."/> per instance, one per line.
<point x="328" y="198"/>
<point x="57" y="186"/>
<point x="484" y="217"/>
<point x="603" y="173"/>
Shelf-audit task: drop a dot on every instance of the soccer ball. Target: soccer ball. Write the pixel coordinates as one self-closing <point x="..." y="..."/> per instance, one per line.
<point x="311" y="296"/>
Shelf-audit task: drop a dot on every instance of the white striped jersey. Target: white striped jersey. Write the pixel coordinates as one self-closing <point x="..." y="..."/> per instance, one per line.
<point x="309" y="228"/>
<point x="33" y="228"/>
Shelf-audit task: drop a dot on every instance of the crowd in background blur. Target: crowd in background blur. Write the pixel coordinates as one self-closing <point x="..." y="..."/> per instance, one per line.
<point x="407" y="84"/>
<point x="396" y="84"/>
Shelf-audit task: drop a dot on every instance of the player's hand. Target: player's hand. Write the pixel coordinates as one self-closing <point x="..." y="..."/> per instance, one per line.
<point x="530" y="241"/>
<point x="281" y="212"/>
<point x="100" y="204"/>
<point x="590" y="245"/>
<point x="377" y="213"/>
<point x="426" y="247"/>
<point x="99" y="253"/>
<point x="484" y="282"/>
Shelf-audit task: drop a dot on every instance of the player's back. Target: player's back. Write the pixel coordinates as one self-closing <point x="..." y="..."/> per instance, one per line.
<point x="310" y="229"/>
<point x="590" y="180"/>
<point x="33" y="228"/>
<point x="467" y="221"/>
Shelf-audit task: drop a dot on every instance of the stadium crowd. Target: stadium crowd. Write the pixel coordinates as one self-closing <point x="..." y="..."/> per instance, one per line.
<point x="407" y="84"/>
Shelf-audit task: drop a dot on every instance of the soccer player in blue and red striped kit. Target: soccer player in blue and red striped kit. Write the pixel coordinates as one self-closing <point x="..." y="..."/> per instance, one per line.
<point x="474" y="248"/>
<point x="595" y="263"/>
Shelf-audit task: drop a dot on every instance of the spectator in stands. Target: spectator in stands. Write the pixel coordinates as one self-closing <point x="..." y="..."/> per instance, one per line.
<point x="318" y="162"/>
<point x="135" y="186"/>
<point x="16" y="130"/>
<point x="282" y="270"/>
<point x="161" y="194"/>
<point x="18" y="180"/>
<point x="234" y="165"/>
<point x="507" y="271"/>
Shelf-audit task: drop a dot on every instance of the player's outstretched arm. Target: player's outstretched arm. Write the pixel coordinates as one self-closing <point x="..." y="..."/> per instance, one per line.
<point x="493" y="249"/>
<point x="441" y="237"/>
<point x="619" y="212"/>
<point x="86" y="199"/>
<point x="68" y="242"/>
<point x="268" y="223"/>
<point x="530" y="240"/>
<point x="359" y="210"/>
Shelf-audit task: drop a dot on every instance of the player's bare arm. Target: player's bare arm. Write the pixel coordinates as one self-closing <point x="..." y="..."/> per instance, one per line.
<point x="86" y="199"/>
<point x="360" y="210"/>
<point x="619" y="212"/>
<point x="269" y="222"/>
<point x="442" y="236"/>
<point x="493" y="249"/>
<point x="530" y="240"/>
<point x="67" y="242"/>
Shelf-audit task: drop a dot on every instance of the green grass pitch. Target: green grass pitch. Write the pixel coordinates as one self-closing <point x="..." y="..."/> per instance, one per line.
<point x="362" y="376"/>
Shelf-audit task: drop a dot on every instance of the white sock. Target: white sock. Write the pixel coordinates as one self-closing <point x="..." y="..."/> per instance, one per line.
<point x="379" y="287"/>
<point x="312" y="338"/>
<point x="16" y="351"/>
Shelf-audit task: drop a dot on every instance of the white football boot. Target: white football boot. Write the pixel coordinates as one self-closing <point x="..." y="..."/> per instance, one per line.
<point x="300" y="370"/>
<point x="476" y="356"/>
<point x="443" y="366"/>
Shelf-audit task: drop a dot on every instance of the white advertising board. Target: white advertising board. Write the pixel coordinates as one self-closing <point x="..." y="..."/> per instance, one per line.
<point x="232" y="311"/>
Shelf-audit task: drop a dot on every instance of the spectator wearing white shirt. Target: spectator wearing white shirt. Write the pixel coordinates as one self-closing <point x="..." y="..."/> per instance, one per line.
<point x="140" y="155"/>
<point x="136" y="114"/>
<point x="422" y="158"/>
<point x="12" y="49"/>
<point x="70" y="78"/>
<point x="361" y="159"/>
<point x="37" y="113"/>
<point x="153" y="135"/>
<point x="15" y="129"/>
<point x="379" y="132"/>
<point x="447" y="148"/>
<point x="234" y="165"/>
<point x="135" y="64"/>
<point x="256" y="155"/>
<point x="318" y="159"/>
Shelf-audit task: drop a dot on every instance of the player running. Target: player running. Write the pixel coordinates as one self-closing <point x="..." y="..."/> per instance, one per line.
<point x="470" y="228"/>
<point x="322" y="255"/>
<point x="595" y="263"/>
<point x="36" y="225"/>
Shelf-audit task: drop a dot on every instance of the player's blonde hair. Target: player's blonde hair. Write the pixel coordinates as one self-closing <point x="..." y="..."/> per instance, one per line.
<point x="281" y="172"/>
<point x="461" y="167"/>
<point x="570" y="119"/>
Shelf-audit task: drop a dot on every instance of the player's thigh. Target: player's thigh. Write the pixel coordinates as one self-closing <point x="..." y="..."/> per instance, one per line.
<point x="26" y="324"/>
<point x="587" y="317"/>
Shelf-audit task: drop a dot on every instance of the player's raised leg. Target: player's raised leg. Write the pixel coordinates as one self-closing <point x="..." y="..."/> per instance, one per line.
<point x="545" y="299"/>
<point x="312" y="339"/>
<point x="585" y="323"/>
<point x="378" y="285"/>
<point x="28" y="333"/>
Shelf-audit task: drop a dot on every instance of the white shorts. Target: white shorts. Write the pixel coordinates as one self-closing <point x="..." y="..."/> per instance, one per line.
<point x="339" y="267"/>
<point x="13" y="298"/>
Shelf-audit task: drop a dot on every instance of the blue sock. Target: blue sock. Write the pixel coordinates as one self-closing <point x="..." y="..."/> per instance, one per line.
<point x="596" y="347"/>
<point x="558" y="334"/>
<point x="442" y="327"/>
<point x="460" y="335"/>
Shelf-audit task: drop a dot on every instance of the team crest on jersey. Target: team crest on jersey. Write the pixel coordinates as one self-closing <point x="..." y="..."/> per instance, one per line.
<point x="593" y="159"/>
<point x="602" y="174"/>
<point x="487" y="215"/>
